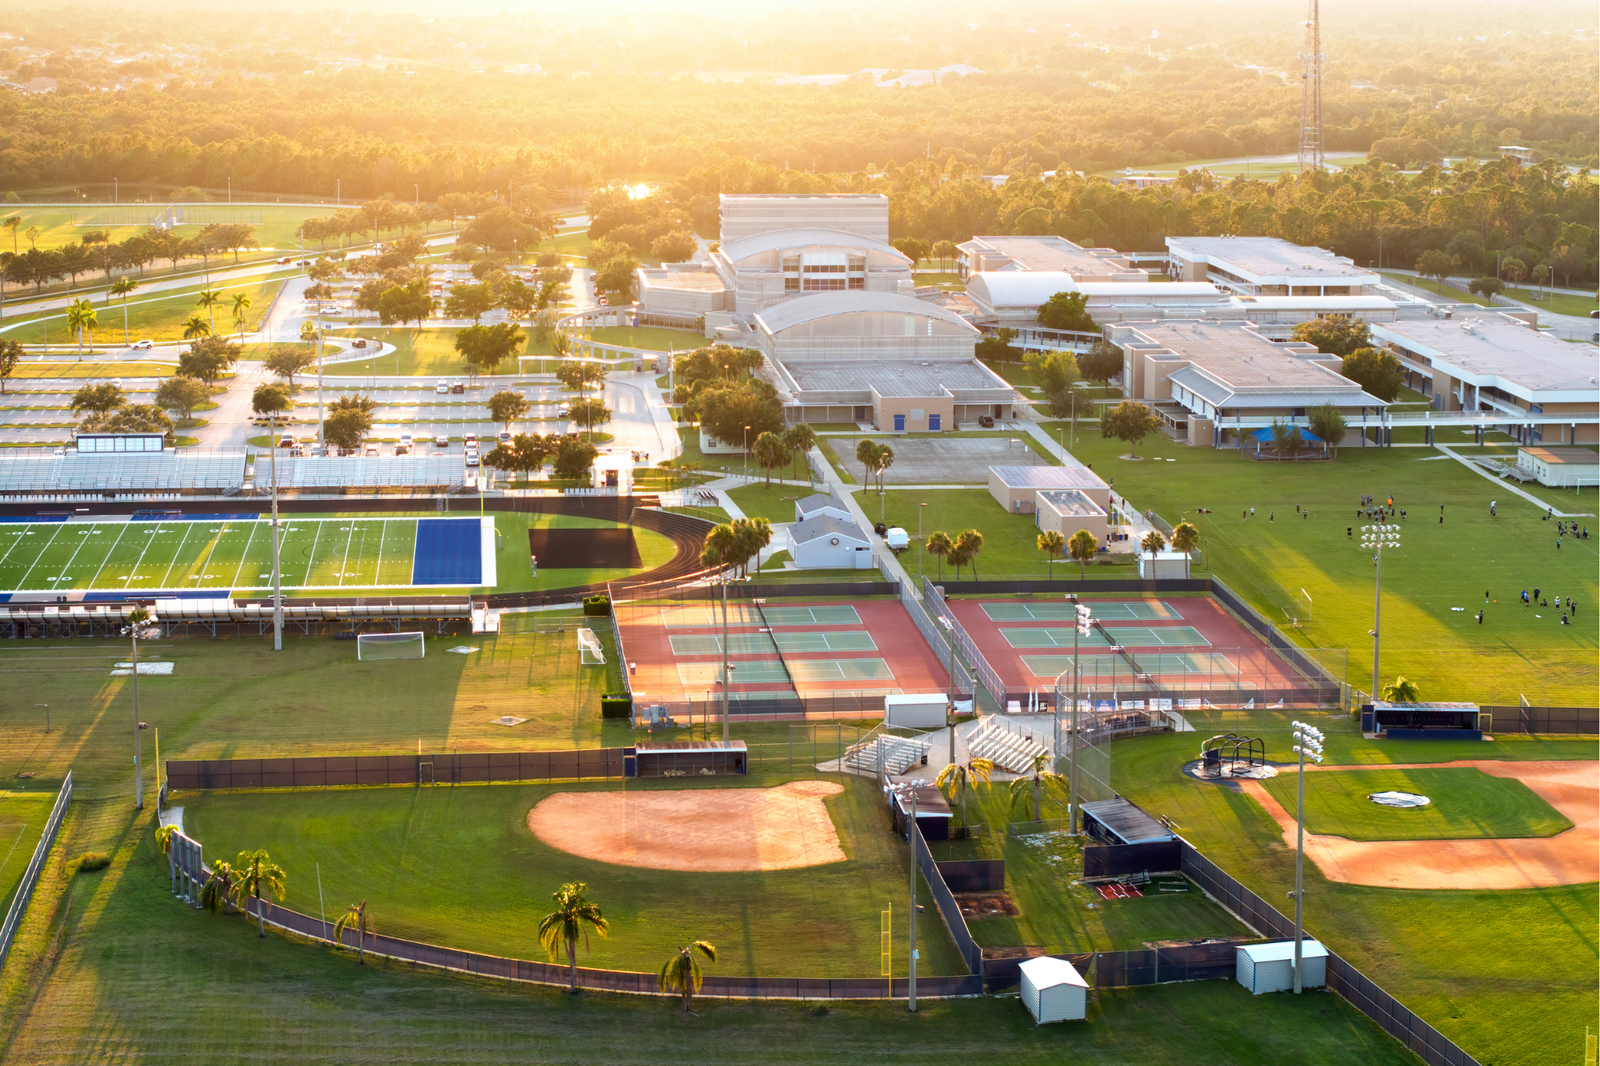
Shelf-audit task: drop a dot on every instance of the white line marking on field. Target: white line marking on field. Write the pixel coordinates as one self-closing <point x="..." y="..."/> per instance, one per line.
<point x="122" y="533"/>
<point x="177" y="554"/>
<point x="22" y="584"/>
<point x="245" y="555"/>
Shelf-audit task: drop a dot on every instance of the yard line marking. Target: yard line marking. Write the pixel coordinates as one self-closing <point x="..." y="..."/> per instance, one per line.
<point x="311" y="559"/>
<point x="346" y="564"/>
<point x="205" y="564"/>
<point x="383" y="531"/>
<point x="125" y="527"/>
<point x="21" y="535"/>
<point x="22" y="584"/>
<point x="140" y="561"/>
<point x="67" y="569"/>
<point x="176" y="555"/>
<point x="245" y="556"/>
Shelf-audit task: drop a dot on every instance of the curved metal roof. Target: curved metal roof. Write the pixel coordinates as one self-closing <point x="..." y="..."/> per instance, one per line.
<point x="782" y="239"/>
<point x="804" y="309"/>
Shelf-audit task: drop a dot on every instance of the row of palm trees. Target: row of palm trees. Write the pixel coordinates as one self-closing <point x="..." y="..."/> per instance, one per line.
<point x="961" y="777"/>
<point x="83" y="319"/>
<point x="960" y="550"/>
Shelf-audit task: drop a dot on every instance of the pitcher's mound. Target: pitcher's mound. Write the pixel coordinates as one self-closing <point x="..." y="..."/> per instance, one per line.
<point x="717" y="830"/>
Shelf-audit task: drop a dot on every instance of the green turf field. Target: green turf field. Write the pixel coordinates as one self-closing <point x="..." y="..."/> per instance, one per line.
<point x="1465" y="803"/>
<point x="151" y="316"/>
<point x="459" y="866"/>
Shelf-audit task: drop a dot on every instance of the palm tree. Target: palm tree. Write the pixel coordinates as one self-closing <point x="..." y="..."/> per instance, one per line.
<point x="939" y="546"/>
<point x="81" y="318"/>
<point x="1153" y="542"/>
<point x="867" y="456"/>
<point x="195" y="327"/>
<point x="799" y="439"/>
<point x="122" y="287"/>
<point x="962" y="775"/>
<point x="209" y="298"/>
<point x="681" y="973"/>
<point x="1051" y="544"/>
<point x="1185" y="539"/>
<point x="241" y="304"/>
<point x="164" y="838"/>
<point x="969" y="542"/>
<point x="884" y="460"/>
<point x="217" y="893"/>
<point x="1402" y="691"/>
<point x="575" y="913"/>
<point x="259" y="878"/>
<point x="355" y="917"/>
<point x="1082" y="546"/>
<point x="12" y="223"/>
<point x="1037" y="778"/>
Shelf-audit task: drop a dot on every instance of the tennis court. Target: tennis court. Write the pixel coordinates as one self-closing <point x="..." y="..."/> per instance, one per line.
<point x="766" y="671"/>
<point x="1175" y="666"/>
<point x="1062" y="611"/>
<point x="234" y="552"/>
<point x="793" y="643"/>
<point x="743" y="613"/>
<point x="1125" y="637"/>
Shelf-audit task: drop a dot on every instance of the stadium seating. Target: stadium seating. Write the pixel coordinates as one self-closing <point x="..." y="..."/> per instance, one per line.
<point x="1009" y="751"/>
<point x="422" y="471"/>
<point x="169" y="471"/>
<point x="899" y="754"/>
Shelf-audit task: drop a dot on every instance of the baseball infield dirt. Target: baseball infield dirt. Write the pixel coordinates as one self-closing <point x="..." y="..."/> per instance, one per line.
<point x="1568" y="858"/>
<point x="715" y="830"/>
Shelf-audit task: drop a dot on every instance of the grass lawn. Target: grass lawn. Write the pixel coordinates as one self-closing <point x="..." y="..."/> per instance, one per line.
<point x="1270" y="562"/>
<point x="514" y="568"/>
<point x="1437" y="952"/>
<point x="179" y="985"/>
<point x="433" y="354"/>
<point x="573" y="243"/>
<point x="65" y="225"/>
<point x="92" y="369"/>
<point x="460" y="866"/>
<point x="652" y="338"/>
<point x="22" y="819"/>
<point x="1453" y="295"/>
<point x="1466" y="803"/>
<point x="775" y="503"/>
<point x="150" y="317"/>
<point x="1560" y="303"/>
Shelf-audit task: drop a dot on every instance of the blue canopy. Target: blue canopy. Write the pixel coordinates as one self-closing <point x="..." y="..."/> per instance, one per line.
<point x="1264" y="434"/>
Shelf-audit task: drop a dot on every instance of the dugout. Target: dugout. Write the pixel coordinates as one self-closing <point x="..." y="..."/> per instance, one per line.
<point x="687" y="758"/>
<point x="1116" y="821"/>
<point x="933" y="812"/>
<point x="1422" y="721"/>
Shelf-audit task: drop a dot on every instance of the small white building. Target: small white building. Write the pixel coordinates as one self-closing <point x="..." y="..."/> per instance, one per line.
<point x="914" y="711"/>
<point x="1270" y="967"/>
<point x="710" y="445"/>
<point x="613" y="472"/>
<point x="1053" y="990"/>
<point x="1564" y="468"/>
<point x="824" y="542"/>
<point x="1165" y="564"/>
<point x="821" y="503"/>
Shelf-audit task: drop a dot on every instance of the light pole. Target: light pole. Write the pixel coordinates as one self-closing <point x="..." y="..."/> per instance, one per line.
<point x="950" y="700"/>
<point x="725" y="666"/>
<point x="1375" y="538"/>
<point x="1308" y="741"/>
<point x="1085" y="620"/>
<point x="141" y="623"/>
<point x="277" y="571"/>
<point x="747" y="453"/>
<point x="907" y="792"/>
<point x="46" y="707"/>
<point x="116" y="192"/>
<point x="920" y="551"/>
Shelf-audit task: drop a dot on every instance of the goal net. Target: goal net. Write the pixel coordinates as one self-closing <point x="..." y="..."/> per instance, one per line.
<point x="389" y="646"/>
<point x="589" y="650"/>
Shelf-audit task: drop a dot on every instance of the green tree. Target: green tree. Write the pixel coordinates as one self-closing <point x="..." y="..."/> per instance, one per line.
<point x="1285" y="439"/>
<point x="182" y="395"/>
<point x="81" y="319"/>
<point x="123" y="287"/>
<point x="574" y="459"/>
<point x="505" y="407"/>
<point x="676" y="247"/>
<point x="195" y="327"/>
<point x="12" y="223"/>
<point x="484" y="348"/>
<point x="580" y="374"/>
<point x="209" y="298"/>
<point x="356" y="917"/>
<point x="681" y="972"/>
<point x="346" y="429"/>
<point x="589" y="412"/>
<point x="131" y="418"/>
<point x="1129" y="421"/>
<point x="939" y="545"/>
<point x="1082" y="546"/>
<point x="968" y="543"/>
<point x="944" y="251"/>
<point x="270" y="398"/>
<point x="1051" y="542"/>
<point x="241" y="311"/>
<point x="256" y="876"/>
<point x="1437" y="265"/>
<point x="1068" y="311"/>
<point x="1034" y="783"/>
<point x="575" y="915"/>
<point x="1514" y="269"/>
<point x="725" y="410"/>
<point x="1185" y="539"/>
<point x="1400" y="691"/>
<point x="98" y="399"/>
<point x="1326" y="421"/>
<point x="208" y="358"/>
<point x="1376" y="370"/>
<point x="996" y="347"/>
<point x="287" y="360"/>
<point x="10" y="357"/>
<point x="770" y="453"/>
<point x="799" y="439"/>
<point x="1053" y="372"/>
<point x="959" y="777"/>
<point x="1333" y="336"/>
<point x="1486" y="287"/>
<point x="216" y="895"/>
<point x="468" y="301"/>
<point x="1153" y="542"/>
<point x="1102" y="362"/>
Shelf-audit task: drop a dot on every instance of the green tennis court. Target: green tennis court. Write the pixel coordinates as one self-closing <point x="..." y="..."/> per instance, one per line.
<point x="745" y="672"/>
<point x="771" y="671"/>
<point x="1175" y="665"/>
<point x="746" y="614"/>
<point x="787" y="643"/>
<point x="1131" y="611"/>
<point x="1126" y="636"/>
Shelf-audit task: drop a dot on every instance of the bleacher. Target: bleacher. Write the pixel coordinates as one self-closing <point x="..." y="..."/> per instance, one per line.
<point x="1012" y="752"/>
<point x="405" y="471"/>
<point x="131" y="472"/>
<point x="899" y="754"/>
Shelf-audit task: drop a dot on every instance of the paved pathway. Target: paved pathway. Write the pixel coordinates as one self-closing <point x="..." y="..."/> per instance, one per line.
<point x="1508" y="486"/>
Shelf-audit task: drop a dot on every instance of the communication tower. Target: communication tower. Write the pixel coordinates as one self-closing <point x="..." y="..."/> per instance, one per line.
<point x="1311" y="94"/>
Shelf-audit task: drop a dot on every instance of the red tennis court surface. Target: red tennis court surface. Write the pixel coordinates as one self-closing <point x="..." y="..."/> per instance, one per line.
<point x="1178" y="643"/>
<point x="778" y="648"/>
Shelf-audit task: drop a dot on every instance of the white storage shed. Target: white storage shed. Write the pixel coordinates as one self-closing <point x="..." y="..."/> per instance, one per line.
<point x="1053" y="991"/>
<point x="1270" y="967"/>
<point x="913" y="711"/>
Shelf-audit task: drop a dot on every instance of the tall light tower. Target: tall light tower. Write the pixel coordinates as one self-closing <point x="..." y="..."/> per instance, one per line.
<point x="1311" y="94"/>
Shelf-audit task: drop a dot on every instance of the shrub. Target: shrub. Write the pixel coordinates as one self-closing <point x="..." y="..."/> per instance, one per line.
<point x="597" y="606"/>
<point x="90" y="861"/>
<point x="616" y="705"/>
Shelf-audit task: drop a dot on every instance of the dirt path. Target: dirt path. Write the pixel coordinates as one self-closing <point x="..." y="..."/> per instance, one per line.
<point x="714" y="830"/>
<point x="1569" y="858"/>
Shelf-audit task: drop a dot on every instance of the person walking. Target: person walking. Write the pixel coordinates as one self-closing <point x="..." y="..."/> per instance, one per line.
<point x="1491" y="508"/>
<point x="1536" y="593"/>
<point x="1480" y="618"/>
<point x="1349" y="532"/>
<point x="1485" y="595"/>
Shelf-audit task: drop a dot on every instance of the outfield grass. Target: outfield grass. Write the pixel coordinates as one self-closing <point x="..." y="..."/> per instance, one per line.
<point x="1276" y="564"/>
<point x="433" y="354"/>
<point x="174" y="984"/>
<point x="157" y="317"/>
<point x="1439" y="952"/>
<point x="459" y="866"/>
<point x="652" y="338"/>
<point x="1465" y="803"/>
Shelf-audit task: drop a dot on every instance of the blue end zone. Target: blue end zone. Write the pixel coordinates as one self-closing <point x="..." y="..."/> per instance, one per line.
<point x="449" y="551"/>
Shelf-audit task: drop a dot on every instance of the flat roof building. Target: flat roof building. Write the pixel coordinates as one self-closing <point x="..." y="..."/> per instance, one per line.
<point x="1212" y="383"/>
<point x="1066" y="511"/>
<point x="1017" y="488"/>
<point x="1047" y="254"/>
<point x="1266" y="266"/>
<point x="1495" y="362"/>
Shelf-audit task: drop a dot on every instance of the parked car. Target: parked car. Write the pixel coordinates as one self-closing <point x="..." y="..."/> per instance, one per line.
<point x="504" y="437"/>
<point x="443" y="388"/>
<point x="142" y="345"/>
<point x="286" y="260"/>
<point x="456" y="388"/>
<point x="372" y="450"/>
<point x="405" y="438"/>
<point x="441" y="441"/>
<point x="472" y="457"/>
<point x="286" y="441"/>
<point x="402" y="449"/>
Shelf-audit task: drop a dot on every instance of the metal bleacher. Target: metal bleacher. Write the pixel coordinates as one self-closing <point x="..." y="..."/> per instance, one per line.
<point x="155" y="472"/>
<point x="422" y="471"/>
<point x="1012" y="752"/>
<point x="899" y="754"/>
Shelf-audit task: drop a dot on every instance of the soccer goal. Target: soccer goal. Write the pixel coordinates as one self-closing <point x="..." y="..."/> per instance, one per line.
<point x="389" y="646"/>
<point x="589" y="650"/>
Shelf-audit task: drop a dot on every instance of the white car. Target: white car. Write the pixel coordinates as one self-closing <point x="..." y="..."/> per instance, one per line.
<point x="470" y="441"/>
<point x="505" y="436"/>
<point x="472" y="457"/>
<point x="443" y="388"/>
<point x="441" y="441"/>
<point x="142" y="345"/>
<point x="405" y="438"/>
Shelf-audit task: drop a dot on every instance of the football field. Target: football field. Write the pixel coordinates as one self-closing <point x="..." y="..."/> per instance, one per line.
<point x="234" y="552"/>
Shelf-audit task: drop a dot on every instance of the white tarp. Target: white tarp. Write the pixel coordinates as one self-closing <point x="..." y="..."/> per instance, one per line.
<point x="1399" y="799"/>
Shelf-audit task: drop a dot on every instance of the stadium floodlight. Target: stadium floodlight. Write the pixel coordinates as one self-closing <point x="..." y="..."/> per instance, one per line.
<point x="410" y="645"/>
<point x="950" y="699"/>
<point x="1308" y="744"/>
<point x="1082" y="629"/>
<point x="907" y="792"/>
<point x="1375" y="538"/>
<point x="141" y="623"/>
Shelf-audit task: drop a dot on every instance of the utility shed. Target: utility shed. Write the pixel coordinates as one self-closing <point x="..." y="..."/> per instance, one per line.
<point x="1270" y="967"/>
<point x="1053" y="991"/>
